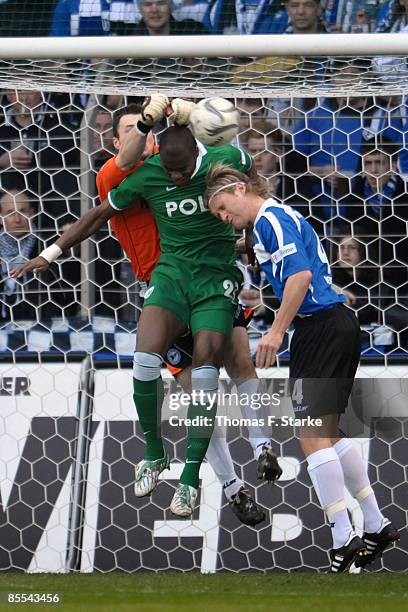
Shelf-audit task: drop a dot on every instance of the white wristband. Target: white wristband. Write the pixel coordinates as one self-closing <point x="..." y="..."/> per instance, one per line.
<point x="51" y="253"/>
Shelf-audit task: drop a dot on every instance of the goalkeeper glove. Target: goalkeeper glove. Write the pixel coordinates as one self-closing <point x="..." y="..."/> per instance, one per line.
<point x="152" y="112"/>
<point x="181" y="111"/>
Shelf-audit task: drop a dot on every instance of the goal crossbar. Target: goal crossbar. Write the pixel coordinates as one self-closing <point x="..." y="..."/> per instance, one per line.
<point x="260" y="45"/>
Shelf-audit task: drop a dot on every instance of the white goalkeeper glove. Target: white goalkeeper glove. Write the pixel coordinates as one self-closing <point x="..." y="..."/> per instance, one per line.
<point x="152" y="112"/>
<point x="181" y="111"/>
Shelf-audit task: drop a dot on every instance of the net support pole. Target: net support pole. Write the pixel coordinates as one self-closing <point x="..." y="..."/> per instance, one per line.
<point x="87" y="185"/>
<point x="80" y="466"/>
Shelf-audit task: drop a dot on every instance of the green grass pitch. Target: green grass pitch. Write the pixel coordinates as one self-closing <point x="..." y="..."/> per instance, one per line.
<point x="176" y="592"/>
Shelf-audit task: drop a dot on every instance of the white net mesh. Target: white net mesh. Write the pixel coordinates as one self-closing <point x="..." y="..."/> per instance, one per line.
<point x="340" y="161"/>
<point x="271" y="76"/>
<point x="66" y="483"/>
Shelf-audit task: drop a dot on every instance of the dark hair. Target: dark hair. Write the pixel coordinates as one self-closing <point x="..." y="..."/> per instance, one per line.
<point x="267" y="131"/>
<point x="177" y="139"/>
<point x="379" y="145"/>
<point x="360" y="245"/>
<point x="20" y="192"/>
<point x="130" y="109"/>
<point x="398" y="10"/>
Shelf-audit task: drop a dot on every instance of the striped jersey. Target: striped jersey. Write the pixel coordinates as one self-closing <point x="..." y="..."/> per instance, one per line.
<point x="285" y="243"/>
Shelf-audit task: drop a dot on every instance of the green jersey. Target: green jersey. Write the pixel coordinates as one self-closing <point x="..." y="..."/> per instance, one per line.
<point x="186" y="226"/>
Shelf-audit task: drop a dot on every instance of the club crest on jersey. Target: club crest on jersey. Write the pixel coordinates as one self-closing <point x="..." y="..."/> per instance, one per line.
<point x="173" y="356"/>
<point x="188" y="206"/>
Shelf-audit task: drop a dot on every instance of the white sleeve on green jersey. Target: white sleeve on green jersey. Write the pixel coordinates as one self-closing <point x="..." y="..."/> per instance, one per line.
<point x="237" y="158"/>
<point x="129" y="190"/>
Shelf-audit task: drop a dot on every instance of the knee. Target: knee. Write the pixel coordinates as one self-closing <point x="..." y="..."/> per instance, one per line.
<point x="239" y="367"/>
<point x="209" y="350"/>
<point x="207" y="357"/>
<point x="237" y="359"/>
<point x="146" y="366"/>
<point x="311" y="444"/>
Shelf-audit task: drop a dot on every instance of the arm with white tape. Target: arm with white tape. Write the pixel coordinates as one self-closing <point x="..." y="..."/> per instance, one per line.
<point x="84" y="227"/>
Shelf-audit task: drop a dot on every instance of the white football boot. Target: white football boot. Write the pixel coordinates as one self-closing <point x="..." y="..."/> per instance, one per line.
<point x="147" y="475"/>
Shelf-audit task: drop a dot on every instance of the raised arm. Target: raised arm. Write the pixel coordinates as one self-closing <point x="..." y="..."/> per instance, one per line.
<point x="84" y="227"/>
<point x="134" y="142"/>
<point x="131" y="149"/>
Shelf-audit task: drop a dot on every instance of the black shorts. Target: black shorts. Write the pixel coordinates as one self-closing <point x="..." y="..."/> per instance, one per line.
<point x="324" y="356"/>
<point x="180" y="355"/>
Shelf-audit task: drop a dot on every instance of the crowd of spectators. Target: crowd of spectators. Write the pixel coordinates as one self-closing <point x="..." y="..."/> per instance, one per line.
<point x="341" y="161"/>
<point x="120" y="17"/>
<point x="341" y="165"/>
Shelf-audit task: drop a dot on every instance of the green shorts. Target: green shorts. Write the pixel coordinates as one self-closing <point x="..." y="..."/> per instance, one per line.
<point x="201" y="295"/>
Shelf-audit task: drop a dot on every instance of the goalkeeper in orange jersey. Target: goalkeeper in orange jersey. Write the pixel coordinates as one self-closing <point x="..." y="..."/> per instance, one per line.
<point x="137" y="234"/>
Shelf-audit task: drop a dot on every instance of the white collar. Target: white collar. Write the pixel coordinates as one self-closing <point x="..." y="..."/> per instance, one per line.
<point x="265" y="205"/>
<point x="201" y="152"/>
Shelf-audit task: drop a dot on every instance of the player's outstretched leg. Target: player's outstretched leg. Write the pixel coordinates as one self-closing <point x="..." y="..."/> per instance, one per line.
<point x="240" y="500"/>
<point x="152" y="341"/>
<point x="268" y="468"/>
<point x="379" y="533"/>
<point x="218" y="454"/>
<point x="207" y="358"/>
<point x="201" y="414"/>
<point x="327" y="476"/>
<point x="148" y="397"/>
<point x="240" y="368"/>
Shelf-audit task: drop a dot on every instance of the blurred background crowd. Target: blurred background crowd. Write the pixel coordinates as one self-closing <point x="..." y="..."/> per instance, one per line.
<point x="138" y="17"/>
<point x="342" y="162"/>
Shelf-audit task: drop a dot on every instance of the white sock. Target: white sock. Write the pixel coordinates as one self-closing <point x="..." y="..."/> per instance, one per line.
<point x="261" y="443"/>
<point x="232" y="487"/>
<point x="219" y="457"/>
<point x="256" y="434"/>
<point x="327" y="477"/>
<point x="357" y="482"/>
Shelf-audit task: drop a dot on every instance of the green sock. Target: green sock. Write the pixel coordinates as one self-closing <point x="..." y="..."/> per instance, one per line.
<point x="148" y="398"/>
<point x="198" y="439"/>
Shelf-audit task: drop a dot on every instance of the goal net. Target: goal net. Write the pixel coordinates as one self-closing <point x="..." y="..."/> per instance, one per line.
<point x="271" y="66"/>
<point x="326" y="120"/>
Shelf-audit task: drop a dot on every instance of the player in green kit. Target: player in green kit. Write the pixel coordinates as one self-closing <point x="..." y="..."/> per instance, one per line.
<point x="198" y="255"/>
<point x="194" y="286"/>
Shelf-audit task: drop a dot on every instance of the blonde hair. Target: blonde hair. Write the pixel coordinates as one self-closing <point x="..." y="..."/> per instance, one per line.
<point x="222" y="177"/>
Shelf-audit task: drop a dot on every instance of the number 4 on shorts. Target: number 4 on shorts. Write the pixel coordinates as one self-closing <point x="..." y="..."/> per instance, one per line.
<point x="297" y="392"/>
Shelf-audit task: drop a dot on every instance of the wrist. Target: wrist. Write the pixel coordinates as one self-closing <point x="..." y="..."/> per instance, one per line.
<point x="51" y="253"/>
<point x="278" y="331"/>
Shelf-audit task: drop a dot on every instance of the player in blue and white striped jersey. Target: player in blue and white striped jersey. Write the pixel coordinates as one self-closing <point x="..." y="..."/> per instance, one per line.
<point x="279" y="232"/>
<point x="324" y="354"/>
